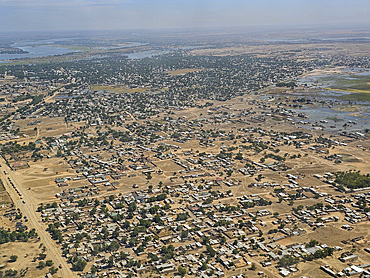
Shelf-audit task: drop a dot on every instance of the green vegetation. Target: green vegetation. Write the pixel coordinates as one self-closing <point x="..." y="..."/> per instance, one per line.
<point x="20" y="235"/>
<point x="167" y="252"/>
<point x="312" y="243"/>
<point x="13" y="258"/>
<point x="352" y="180"/>
<point x="157" y="198"/>
<point x="287" y="261"/>
<point x="78" y="264"/>
<point x="53" y="270"/>
<point x="253" y="267"/>
<point x="181" y="270"/>
<point x="319" y="254"/>
<point x="41" y="265"/>
<point x="335" y="119"/>
<point x="55" y="233"/>
<point x="182" y="216"/>
<point x="22" y="97"/>
<point x="357" y="85"/>
<point x="356" y="97"/>
<point x="315" y="206"/>
<point x="211" y="251"/>
<point x="259" y="202"/>
<point x="13" y="147"/>
<point x="286" y="84"/>
<point x="274" y="156"/>
<point x="9" y="273"/>
<point x="343" y="82"/>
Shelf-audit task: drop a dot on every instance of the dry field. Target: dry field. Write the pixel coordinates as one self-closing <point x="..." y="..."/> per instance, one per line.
<point x="39" y="178"/>
<point x="182" y="71"/>
<point x="26" y="253"/>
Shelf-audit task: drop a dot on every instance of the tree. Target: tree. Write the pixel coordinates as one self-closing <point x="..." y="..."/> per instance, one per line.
<point x="13" y="258"/>
<point x="53" y="270"/>
<point x="122" y="255"/>
<point x="181" y="270"/>
<point x="110" y="261"/>
<point x="79" y="265"/>
<point x="253" y="267"/>
<point x="114" y="246"/>
<point x="211" y="251"/>
<point x="184" y="234"/>
<point x="182" y="216"/>
<point x="229" y="172"/>
<point x="9" y="273"/>
<point x="288" y="260"/>
<point x="140" y="249"/>
<point x="41" y="265"/>
<point x="312" y="243"/>
<point x="133" y="241"/>
<point x="239" y="156"/>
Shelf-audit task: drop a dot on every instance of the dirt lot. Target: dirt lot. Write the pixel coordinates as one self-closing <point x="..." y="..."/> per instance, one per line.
<point x="182" y="71"/>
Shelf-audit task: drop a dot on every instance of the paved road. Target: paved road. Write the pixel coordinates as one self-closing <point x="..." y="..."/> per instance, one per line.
<point x="34" y="221"/>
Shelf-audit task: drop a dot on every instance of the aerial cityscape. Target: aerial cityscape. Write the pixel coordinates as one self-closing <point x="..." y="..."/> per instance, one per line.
<point x="193" y="151"/>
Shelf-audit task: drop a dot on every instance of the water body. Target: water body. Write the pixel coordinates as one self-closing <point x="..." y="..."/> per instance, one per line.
<point x="316" y="114"/>
<point x="43" y="48"/>
<point x="36" y="52"/>
<point x="37" y="49"/>
<point x="318" y="92"/>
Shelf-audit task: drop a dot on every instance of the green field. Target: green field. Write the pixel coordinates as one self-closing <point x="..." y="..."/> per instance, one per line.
<point x="353" y="83"/>
<point x="335" y="119"/>
<point x="356" y="97"/>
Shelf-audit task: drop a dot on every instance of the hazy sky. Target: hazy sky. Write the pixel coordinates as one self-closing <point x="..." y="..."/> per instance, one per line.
<point x="27" y="15"/>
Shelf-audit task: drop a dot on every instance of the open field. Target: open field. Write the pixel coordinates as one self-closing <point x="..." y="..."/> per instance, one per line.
<point x="356" y="96"/>
<point x="26" y="252"/>
<point x="182" y="71"/>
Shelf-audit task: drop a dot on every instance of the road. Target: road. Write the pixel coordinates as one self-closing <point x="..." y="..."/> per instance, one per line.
<point x="28" y="208"/>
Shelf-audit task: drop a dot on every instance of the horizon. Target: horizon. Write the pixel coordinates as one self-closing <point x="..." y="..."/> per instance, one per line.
<point x="115" y="15"/>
